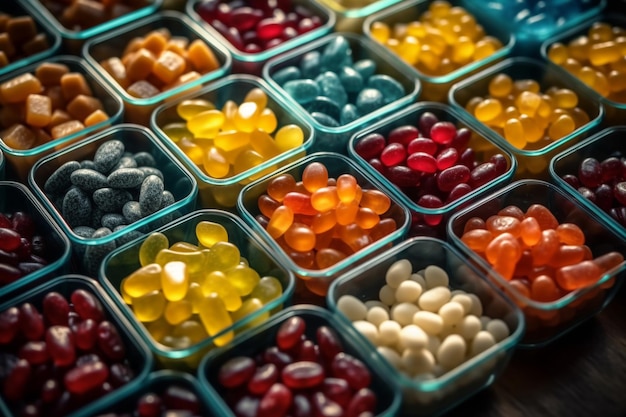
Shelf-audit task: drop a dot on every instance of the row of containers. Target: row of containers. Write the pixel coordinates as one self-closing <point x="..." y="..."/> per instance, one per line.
<point x="512" y="249"/>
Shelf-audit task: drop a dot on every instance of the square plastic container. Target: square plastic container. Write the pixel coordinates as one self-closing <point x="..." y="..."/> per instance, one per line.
<point x="138" y="355"/>
<point x="332" y="138"/>
<point x="222" y="192"/>
<point x="158" y="382"/>
<point x="436" y="87"/>
<point x="53" y="12"/>
<point x="318" y="280"/>
<point x="20" y="161"/>
<point x="439" y="393"/>
<point x="89" y="250"/>
<point x="114" y="43"/>
<point x="53" y="40"/>
<point x="607" y="143"/>
<point x="429" y="221"/>
<point x="2" y="165"/>
<point x="532" y="162"/>
<point x="350" y="14"/>
<point x="533" y="21"/>
<point x="614" y="104"/>
<point x="547" y="321"/>
<point x="15" y="197"/>
<point x="125" y="260"/>
<point x="253" y="62"/>
<point x="255" y="341"/>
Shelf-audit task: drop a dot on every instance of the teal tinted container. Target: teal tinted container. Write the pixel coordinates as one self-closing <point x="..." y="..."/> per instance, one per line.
<point x="51" y="44"/>
<point x="533" y="159"/>
<point x="170" y="351"/>
<point x="222" y="192"/>
<point x="138" y="356"/>
<point x="113" y="44"/>
<point x="315" y="280"/>
<point x="16" y="197"/>
<point x="159" y="383"/>
<point x="439" y="392"/>
<point x="350" y="14"/>
<point x="328" y="136"/>
<point x="428" y="220"/>
<point x="254" y="342"/>
<point x="89" y="251"/>
<point x="61" y="18"/>
<point x="436" y="87"/>
<point x="609" y="91"/>
<point x="253" y="62"/>
<point x="2" y="166"/>
<point x="20" y="161"/>
<point x="548" y="321"/>
<point x="609" y="142"/>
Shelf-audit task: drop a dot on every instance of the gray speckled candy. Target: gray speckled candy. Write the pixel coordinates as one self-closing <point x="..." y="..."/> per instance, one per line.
<point x="152" y="171"/>
<point x="96" y="217"/>
<point x="111" y="200"/>
<point x="151" y="194"/>
<point x="94" y="254"/>
<point x="60" y="181"/>
<point x="85" y="232"/>
<point x="76" y="208"/>
<point x="108" y="155"/>
<point x="168" y="199"/>
<point x="132" y="211"/>
<point x="144" y="159"/>
<point x="126" y="161"/>
<point x="125" y="178"/>
<point x="88" y="180"/>
<point x="88" y="164"/>
<point x="113" y="220"/>
<point x="126" y="236"/>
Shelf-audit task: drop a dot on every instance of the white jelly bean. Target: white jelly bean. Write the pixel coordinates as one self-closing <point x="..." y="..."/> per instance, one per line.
<point x="477" y="305"/>
<point x="430" y="322"/>
<point x="433" y="344"/>
<point x="377" y="315"/>
<point x="376" y="303"/>
<point x="451" y="313"/>
<point x="408" y="291"/>
<point x="403" y="313"/>
<point x="417" y="362"/>
<point x="387" y="295"/>
<point x="484" y="321"/>
<point x="389" y="333"/>
<point x="452" y="351"/>
<point x="464" y="299"/>
<point x="419" y="279"/>
<point x="352" y="307"/>
<point x="481" y="342"/>
<point x="368" y="330"/>
<point x="435" y="276"/>
<point x="391" y="356"/>
<point x="412" y="337"/>
<point x="434" y="298"/>
<point x="469" y="327"/>
<point x="398" y="271"/>
<point x="498" y="329"/>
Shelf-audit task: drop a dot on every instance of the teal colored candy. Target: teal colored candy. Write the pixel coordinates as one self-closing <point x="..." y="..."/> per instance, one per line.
<point x="331" y="87"/>
<point x="365" y="67"/>
<point x="369" y="100"/>
<point x="389" y="87"/>
<point x="349" y="113"/>
<point x="322" y="104"/>
<point x="302" y="90"/>
<point x="324" y="119"/>
<point x="335" y="53"/>
<point x="310" y="64"/>
<point x="350" y="79"/>
<point x="287" y="74"/>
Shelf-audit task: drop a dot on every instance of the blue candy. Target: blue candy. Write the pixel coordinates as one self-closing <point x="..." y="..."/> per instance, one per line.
<point x="391" y="89"/>
<point x="369" y="100"/>
<point x="289" y="73"/>
<point x="302" y="90"/>
<point x="323" y="104"/>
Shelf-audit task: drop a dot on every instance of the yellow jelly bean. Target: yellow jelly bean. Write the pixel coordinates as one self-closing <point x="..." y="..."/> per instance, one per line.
<point x="217" y="282"/>
<point x="187" y="109"/>
<point x="249" y="307"/>
<point x="243" y="278"/>
<point x="206" y="123"/>
<point x="264" y="144"/>
<point x="247" y="116"/>
<point x="215" y="163"/>
<point x="193" y="261"/>
<point x="209" y="233"/>
<point x="191" y="329"/>
<point x="184" y="247"/>
<point x="143" y="280"/>
<point x="268" y="289"/>
<point x="514" y="133"/>
<point x="221" y="256"/>
<point x="151" y="246"/>
<point x="175" y="280"/>
<point x="215" y="319"/>
<point x="281" y="220"/>
<point x="195" y="296"/>
<point x="565" y="98"/>
<point x="158" y="329"/>
<point x="257" y="96"/>
<point x="488" y="109"/>
<point x="561" y="127"/>
<point x="229" y="140"/>
<point x="176" y="131"/>
<point x="289" y="137"/>
<point x="267" y="121"/>
<point x="177" y="311"/>
<point x="149" y="307"/>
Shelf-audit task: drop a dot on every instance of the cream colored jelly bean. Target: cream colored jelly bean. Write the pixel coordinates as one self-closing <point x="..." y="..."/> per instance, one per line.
<point x="426" y="336"/>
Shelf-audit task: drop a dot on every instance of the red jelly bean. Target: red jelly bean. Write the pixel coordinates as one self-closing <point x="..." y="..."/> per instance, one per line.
<point x="421" y="144"/>
<point x="276" y="401"/>
<point x="110" y="342"/>
<point x="9" y="273"/>
<point x="61" y="346"/>
<point x="447" y="158"/>
<point x="31" y="322"/>
<point x="236" y="372"/>
<point x="443" y="132"/>
<point x="87" y="305"/>
<point x="453" y="176"/>
<point x="86" y="334"/>
<point x="423" y="162"/>
<point x="16" y="383"/>
<point x="9" y="324"/>
<point x="370" y="146"/>
<point x="352" y="370"/>
<point x="403" y="135"/>
<point x="178" y="398"/>
<point x="590" y="172"/>
<point x="23" y="224"/>
<point x="264" y="377"/>
<point x="10" y="240"/>
<point x="329" y="343"/>
<point x="393" y="154"/>
<point x="290" y="332"/>
<point x="149" y="405"/>
<point x="87" y="377"/>
<point x="483" y="174"/>
<point x="56" y="308"/>
<point x="337" y="390"/>
<point x="35" y="352"/>
<point x="302" y="374"/>
<point x="364" y="401"/>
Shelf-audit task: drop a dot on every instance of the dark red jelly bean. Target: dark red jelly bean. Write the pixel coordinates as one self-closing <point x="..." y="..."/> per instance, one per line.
<point x="324" y="406"/>
<point x="447" y="158"/>
<point x="60" y="342"/>
<point x="9" y="324"/>
<point x="276" y="401"/>
<point x="16" y="383"/>
<point x="301" y="406"/>
<point x="403" y="135"/>
<point x="290" y="332"/>
<point x="453" y="176"/>
<point x="458" y="191"/>
<point x="604" y="197"/>
<point x="352" y="370"/>
<point x="56" y="308"/>
<point x="277" y="357"/>
<point x="51" y="390"/>
<point x="590" y="172"/>
<point x="120" y="374"/>
<point x="10" y="240"/>
<point x="35" y="352"/>
<point x="23" y="224"/>
<point x="370" y="146"/>
<point x="5" y="221"/>
<point x="149" y="405"/>
<point x="423" y="162"/>
<point x="31" y="322"/>
<point x="393" y="154"/>
<point x="86" y="334"/>
<point x="264" y="377"/>
<point x="421" y="144"/>
<point x="337" y="390"/>
<point x="110" y="341"/>
<point x="9" y="273"/>
<point x="619" y="191"/>
<point x="178" y="398"/>
<point x="443" y="132"/>
<point x="461" y="139"/>
<point x="236" y="372"/>
<point x="87" y="305"/>
<point x="302" y="374"/>
<point x="307" y="351"/>
<point x="329" y="343"/>
<point x="403" y="176"/>
<point x="426" y="122"/>
<point x="364" y="401"/>
<point x="86" y="377"/>
<point x="482" y="174"/>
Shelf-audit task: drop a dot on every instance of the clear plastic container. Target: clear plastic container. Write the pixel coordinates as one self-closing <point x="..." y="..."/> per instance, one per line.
<point x="113" y="44"/>
<point x="350" y="14"/>
<point x="19" y="161"/>
<point x="335" y="139"/>
<point x="609" y="142"/>
<point x="2" y="165"/>
<point x="547" y="321"/>
<point x="53" y="39"/>
<point x="222" y="192"/>
<point x="615" y="107"/>
<point x="138" y="354"/>
<point x="532" y="162"/>
<point x="158" y="382"/>
<point x="16" y="197"/>
<point x="317" y="281"/>
<point x="435" y="88"/>
<point x="427" y="397"/>
<point x="125" y="260"/>
<point x="255" y="341"/>
<point x="89" y="251"/>
<point x="484" y="147"/>
<point x="252" y="63"/>
<point x="74" y="38"/>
